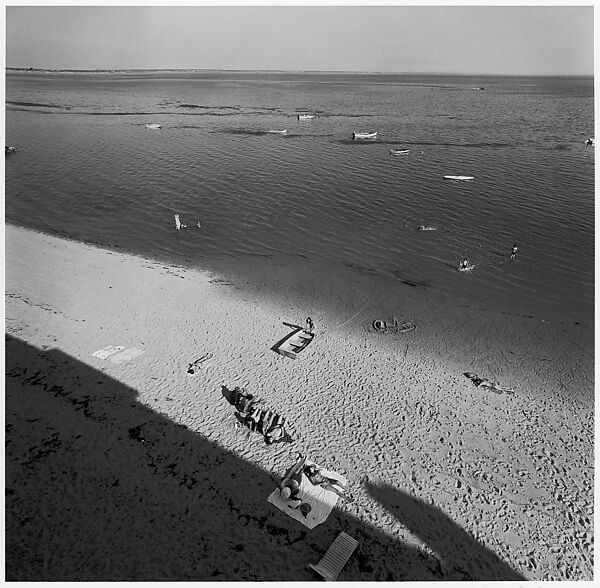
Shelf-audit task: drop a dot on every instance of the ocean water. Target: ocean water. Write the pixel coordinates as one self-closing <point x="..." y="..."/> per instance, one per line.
<point x="315" y="200"/>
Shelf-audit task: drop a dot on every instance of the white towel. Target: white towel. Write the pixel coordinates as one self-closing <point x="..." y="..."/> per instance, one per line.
<point x="109" y="350"/>
<point x="126" y="355"/>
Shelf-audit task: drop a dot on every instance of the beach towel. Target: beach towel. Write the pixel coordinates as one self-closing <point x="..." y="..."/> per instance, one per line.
<point x="109" y="350"/>
<point x="320" y="500"/>
<point x="126" y="355"/>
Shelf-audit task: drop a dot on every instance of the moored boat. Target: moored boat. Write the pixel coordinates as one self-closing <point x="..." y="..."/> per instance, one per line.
<point x="364" y="135"/>
<point x="305" y="116"/>
<point x="153" y="126"/>
<point x="274" y="132"/>
<point x="399" y="151"/>
<point x="464" y="178"/>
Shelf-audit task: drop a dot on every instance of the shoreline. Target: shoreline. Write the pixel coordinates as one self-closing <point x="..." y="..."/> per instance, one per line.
<point x="394" y="412"/>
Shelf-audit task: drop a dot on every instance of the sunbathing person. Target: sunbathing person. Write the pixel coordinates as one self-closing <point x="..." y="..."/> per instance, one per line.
<point x="485" y="383"/>
<point x="289" y="487"/>
<point x="317" y="479"/>
<point x="247" y="403"/>
<point x="276" y="430"/>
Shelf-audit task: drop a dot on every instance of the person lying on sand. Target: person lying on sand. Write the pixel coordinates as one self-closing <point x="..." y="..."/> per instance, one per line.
<point x="317" y="479"/>
<point x="485" y="383"/>
<point x="276" y="431"/>
<point x="192" y="366"/>
<point x="383" y="327"/>
<point x="269" y="424"/>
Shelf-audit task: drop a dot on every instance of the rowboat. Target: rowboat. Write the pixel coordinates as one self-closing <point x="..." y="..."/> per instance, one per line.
<point x="153" y="126"/>
<point x="293" y="343"/>
<point x="399" y="151"/>
<point x="305" y="116"/>
<point x="364" y="135"/>
<point x="465" y="178"/>
<point x="466" y="268"/>
<point x="273" y="132"/>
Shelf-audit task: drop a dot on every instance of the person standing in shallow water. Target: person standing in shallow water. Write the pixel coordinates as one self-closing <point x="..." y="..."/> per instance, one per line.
<point x="513" y="253"/>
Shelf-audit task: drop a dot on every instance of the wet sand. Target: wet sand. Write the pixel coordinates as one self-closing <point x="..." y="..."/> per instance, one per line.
<point x="136" y="470"/>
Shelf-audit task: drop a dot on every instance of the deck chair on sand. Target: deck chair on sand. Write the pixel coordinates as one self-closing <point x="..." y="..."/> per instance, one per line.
<point x="336" y="557"/>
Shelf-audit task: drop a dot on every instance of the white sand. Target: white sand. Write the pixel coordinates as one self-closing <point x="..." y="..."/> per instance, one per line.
<point x="450" y="481"/>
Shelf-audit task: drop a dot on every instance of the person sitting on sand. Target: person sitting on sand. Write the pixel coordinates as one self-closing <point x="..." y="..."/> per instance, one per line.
<point x="244" y="403"/>
<point x="289" y="487"/>
<point x="317" y="479"/>
<point x="310" y="326"/>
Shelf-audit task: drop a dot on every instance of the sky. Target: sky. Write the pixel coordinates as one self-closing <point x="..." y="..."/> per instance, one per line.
<point x="468" y="39"/>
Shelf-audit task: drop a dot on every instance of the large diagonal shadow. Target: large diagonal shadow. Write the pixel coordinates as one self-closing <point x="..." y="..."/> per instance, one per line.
<point x="101" y="488"/>
<point x="461" y="555"/>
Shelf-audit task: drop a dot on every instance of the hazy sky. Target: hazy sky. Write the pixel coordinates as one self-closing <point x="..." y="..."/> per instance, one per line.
<point x="430" y="39"/>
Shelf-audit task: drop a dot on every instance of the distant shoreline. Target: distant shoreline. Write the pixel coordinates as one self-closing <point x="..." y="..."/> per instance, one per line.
<point x="287" y="72"/>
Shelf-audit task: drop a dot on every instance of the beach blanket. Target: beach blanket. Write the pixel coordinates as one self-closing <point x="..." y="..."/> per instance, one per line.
<point x="126" y="355"/>
<point x="106" y="351"/>
<point x="320" y="500"/>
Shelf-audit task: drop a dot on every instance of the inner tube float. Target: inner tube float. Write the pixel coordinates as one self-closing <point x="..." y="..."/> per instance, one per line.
<point x="380" y="326"/>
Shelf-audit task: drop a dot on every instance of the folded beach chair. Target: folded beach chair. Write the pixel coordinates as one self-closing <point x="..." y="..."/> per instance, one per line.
<point x="335" y="558"/>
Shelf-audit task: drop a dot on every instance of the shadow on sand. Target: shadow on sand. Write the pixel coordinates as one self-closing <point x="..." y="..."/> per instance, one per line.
<point x="461" y="556"/>
<point x="101" y="488"/>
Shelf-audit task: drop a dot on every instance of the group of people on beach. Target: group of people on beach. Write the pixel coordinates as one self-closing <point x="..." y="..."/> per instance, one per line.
<point x="289" y="487"/>
<point x="271" y="425"/>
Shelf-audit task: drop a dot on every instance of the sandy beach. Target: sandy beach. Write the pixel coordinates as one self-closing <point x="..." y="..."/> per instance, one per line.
<point x="134" y="470"/>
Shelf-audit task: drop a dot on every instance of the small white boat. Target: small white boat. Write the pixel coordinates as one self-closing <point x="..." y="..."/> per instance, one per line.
<point x="364" y="135"/>
<point x="305" y="116"/>
<point x="153" y="126"/>
<point x="464" y="178"/>
<point x="273" y="132"/>
<point x="399" y="151"/>
<point x="467" y="268"/>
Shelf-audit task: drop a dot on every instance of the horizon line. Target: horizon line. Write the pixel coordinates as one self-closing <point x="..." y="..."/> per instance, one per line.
<point x="284" y="71"/>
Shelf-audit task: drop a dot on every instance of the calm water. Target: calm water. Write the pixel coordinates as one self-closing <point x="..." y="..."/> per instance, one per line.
<point x="88" y="168"/>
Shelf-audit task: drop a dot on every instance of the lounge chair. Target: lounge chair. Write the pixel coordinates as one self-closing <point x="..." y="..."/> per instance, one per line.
<point x="335" y="558"/>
